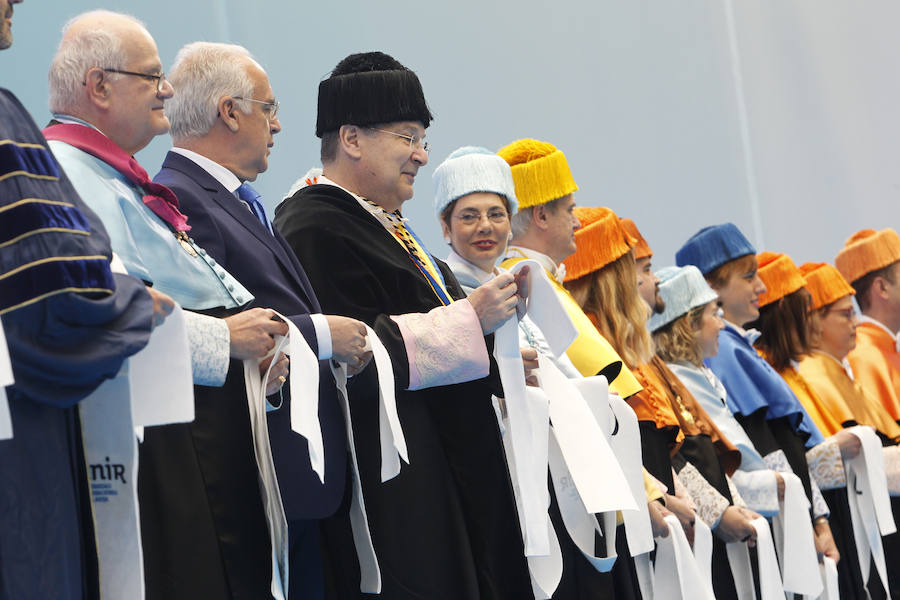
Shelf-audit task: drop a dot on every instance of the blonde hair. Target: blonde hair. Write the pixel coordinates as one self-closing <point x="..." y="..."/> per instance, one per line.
<point x="609" y="296"/>
<point x="678" y="341"/>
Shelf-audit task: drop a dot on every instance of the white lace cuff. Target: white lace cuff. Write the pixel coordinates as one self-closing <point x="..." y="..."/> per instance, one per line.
<point x="826" y="466"/>
<point x="710" y="503"/>
<point x="209" y="341"/>
<point x="444" y="346"/>
<point x="777" y="461"/>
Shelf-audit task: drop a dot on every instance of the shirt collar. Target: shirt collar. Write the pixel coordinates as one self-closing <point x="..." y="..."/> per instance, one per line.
<point x="228" y="179"/>
<point x="459" y="264"/>
<point x="558" y="271"/>
<point x="750" y="335"/>
<point x="883" y="327"/>
<point x="69" y="119"/>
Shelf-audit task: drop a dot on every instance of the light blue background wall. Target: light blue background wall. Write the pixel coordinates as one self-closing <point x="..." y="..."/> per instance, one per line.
<point x="781" y="118"/>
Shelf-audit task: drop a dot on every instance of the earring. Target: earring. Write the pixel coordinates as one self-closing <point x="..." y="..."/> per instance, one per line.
<point x="509" y="237"/>
<point x="447" y="241"/>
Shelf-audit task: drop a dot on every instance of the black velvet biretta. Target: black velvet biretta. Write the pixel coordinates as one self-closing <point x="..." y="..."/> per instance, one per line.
<point x="370" y="88"/>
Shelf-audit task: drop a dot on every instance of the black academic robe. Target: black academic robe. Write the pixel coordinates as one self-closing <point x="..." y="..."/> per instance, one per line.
<point x="69" y="325"/>
<point x="446" y="526"/>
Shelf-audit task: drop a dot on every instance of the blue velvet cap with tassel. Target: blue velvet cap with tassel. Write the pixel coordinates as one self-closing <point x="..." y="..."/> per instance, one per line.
<point x="713" y="246"/>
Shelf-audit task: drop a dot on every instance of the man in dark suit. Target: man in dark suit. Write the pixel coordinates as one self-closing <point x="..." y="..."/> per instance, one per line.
<point x="223" y="124"/>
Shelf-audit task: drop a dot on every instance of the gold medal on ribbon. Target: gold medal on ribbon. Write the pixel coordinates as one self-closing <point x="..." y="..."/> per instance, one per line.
<point x="185" y="243"/>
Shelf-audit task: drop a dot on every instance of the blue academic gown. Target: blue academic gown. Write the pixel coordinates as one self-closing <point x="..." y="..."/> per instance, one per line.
<point x="69" y="324"/>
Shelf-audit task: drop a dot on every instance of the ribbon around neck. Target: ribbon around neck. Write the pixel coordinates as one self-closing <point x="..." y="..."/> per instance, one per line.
<point x="159" y="198"/>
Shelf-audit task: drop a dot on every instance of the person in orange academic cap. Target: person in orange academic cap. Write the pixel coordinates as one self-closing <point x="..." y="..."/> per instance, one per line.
<point x="826" y="369"/>
<point x="870" y="261"/>
<point x="603" y="279"/>
<point x="787" y="325"/>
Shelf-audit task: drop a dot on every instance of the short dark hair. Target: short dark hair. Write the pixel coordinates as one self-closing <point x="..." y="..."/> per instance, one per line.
<point x="863" y="285"/>
<point x="328" y="148"/>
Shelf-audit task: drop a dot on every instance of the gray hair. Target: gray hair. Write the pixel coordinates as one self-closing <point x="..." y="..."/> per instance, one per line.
<point x="204" y="72"/>
<point x="79" y="53"/>
<point x="520" y="222"/>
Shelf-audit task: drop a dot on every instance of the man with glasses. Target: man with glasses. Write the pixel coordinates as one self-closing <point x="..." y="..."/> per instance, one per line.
<point x="223" y="124"/>
<point x="445" y="526"/>
<point x="107" y="93"/>
<point x="70" y="323"/>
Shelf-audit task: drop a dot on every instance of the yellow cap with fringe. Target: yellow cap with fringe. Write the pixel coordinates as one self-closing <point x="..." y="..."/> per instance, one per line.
<point x="540" y="172"/>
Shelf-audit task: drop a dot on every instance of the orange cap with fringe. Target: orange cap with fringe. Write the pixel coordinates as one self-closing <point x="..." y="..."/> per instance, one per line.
<point x="825" y="284"/>
<point x="780" y="274"/>
<point x="540" y="172"/>
<point x="866" y="251"/>
<point x="601" y="239"/>
<point x="641" y="247"/>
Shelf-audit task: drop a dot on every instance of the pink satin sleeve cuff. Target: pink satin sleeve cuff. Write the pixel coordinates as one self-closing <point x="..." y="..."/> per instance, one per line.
<point x="444" y="346"/>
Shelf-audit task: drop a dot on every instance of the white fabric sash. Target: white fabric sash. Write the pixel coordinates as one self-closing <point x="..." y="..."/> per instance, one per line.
<point x="770" y="584"/>
<point x="370" y="573"/>
<point x="626" y="444"/>
<point x="703" y="546"/>
<point x="594" y="468"/>
<point x="829" y="579"/>
<point x="580" y="524"/>
<point x="676" y="574"/>
<point x="304" y="386"/>
<point x="393" y="448"/>
<point x="528" y="419"/>
<point x="794" y="540"/>
<point x="6" y="378"/>
<point x="393" y="442"/>
<point x="870" y="504"/>
<point x="545" y="571"/>
<point x="138" y="396"/>
<point x="270" y="493"/>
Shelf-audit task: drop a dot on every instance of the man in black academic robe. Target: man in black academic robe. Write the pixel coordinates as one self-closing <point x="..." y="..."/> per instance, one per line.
<point x="446" y="526"/>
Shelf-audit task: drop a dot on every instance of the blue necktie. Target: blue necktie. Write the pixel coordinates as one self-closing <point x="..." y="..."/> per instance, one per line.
<point x="253" y="199"/>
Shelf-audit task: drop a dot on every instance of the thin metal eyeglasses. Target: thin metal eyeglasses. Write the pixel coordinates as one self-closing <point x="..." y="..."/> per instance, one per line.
<point x="846" y="313"/>
<point x="270" y="108"/>
<point x="473" y="218"/>
<point x="159" y="78"/>
<point x="414" y="140"/>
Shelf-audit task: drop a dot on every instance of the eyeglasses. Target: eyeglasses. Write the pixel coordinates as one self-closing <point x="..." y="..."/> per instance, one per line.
<point x="847" y="313"/>
<point x="414" y="140"/>
<point x="270" y="108"/>
<point x="472" y="218"/>
<point x="159" y="78"/>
